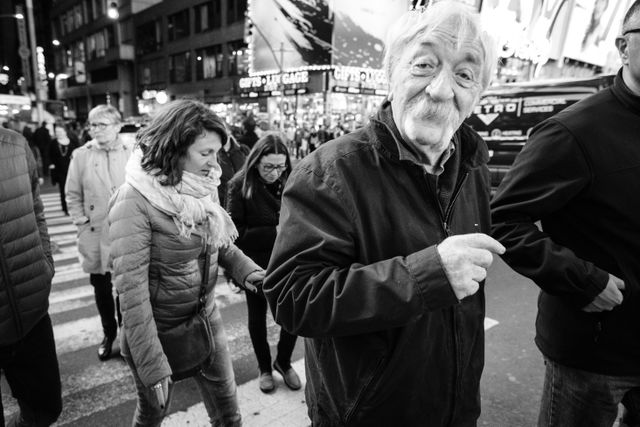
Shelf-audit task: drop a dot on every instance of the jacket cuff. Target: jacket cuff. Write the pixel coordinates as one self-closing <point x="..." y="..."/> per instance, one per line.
<point x="81" y="220"/>
<point x="426" y="268"/>
<point x="599" y="279"/>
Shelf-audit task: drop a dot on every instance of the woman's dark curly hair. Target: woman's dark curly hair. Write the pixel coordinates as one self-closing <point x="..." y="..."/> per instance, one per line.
<point x="165" y="140"/>
<point x="271" y="143"/>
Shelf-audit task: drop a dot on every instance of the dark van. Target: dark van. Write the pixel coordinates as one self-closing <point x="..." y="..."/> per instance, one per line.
<point x="506" y="114"/>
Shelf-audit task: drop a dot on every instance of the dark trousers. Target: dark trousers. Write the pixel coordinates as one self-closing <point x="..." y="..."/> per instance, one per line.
<point x="63" y="202"/>
<point x="257" y="308"/>
<point x="31" y="368"/>
<point x="107" y="308"/>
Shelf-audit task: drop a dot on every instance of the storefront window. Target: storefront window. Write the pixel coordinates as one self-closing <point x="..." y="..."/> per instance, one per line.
<point x="180" y="68"/>
<point x="178" y="25"/>
<point x="209" y="62"/>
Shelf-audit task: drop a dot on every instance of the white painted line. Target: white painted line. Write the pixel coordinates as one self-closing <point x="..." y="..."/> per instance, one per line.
<point x="489" y="323"/>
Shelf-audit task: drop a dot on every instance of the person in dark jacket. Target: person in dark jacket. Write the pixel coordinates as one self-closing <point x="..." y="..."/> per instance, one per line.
<point x="254" y="205"/>
<point x="382" y="250"/>
<point x="42" y="140"/>
<point x="64" y="143"/>
<point x="579" y="175"/>
<point x="249" y="136"/>
<point x="231" y="158"/>
<point x="27" y="348"/>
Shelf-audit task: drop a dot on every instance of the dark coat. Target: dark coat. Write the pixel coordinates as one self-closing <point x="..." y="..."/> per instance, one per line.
<point x="355" y="269"/>
<point x="230" y="162"/>
<point x="26" y="264"/>
<point x="579" y="174"/>
<point x="60" y="157"/>
<point x="256" y="218"/>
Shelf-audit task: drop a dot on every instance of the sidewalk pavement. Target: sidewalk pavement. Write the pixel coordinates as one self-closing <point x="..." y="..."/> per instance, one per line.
<point x="281" y="408"/>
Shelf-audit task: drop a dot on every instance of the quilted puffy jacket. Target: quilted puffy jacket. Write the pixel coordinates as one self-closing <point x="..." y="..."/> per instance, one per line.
<point x="158" y="275"/>
<point x="26" y="264"/>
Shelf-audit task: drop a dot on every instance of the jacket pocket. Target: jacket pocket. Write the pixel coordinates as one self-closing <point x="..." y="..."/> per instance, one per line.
<point x="368" y="384"/>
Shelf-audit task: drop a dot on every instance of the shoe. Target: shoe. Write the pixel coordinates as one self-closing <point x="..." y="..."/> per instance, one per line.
<point x="289" y="376"/>
<point x="267" y="385"/>
<point x="104" y="350"/>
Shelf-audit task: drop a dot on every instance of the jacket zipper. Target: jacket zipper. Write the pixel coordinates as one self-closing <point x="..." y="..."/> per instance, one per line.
<point x="10" y="294"/>
<point x="446" y="223"/>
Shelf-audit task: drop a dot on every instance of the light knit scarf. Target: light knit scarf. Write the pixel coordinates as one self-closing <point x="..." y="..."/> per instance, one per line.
<point x="193" y="203"/>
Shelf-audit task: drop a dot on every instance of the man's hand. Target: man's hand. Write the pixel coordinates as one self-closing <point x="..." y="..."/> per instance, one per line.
<point x="254" y="281"/>
<point x="161" y="391"/>
<point x="465" y="259"/>
<point x="609" y="298"/>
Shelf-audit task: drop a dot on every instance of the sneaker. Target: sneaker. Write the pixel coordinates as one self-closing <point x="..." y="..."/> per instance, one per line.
<point x="267" y="385"/>
<point x="289" y="376"/>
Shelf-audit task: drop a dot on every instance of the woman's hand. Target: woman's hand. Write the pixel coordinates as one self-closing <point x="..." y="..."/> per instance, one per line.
<point x="253" y="282"/>
<point x="161" y="390"/>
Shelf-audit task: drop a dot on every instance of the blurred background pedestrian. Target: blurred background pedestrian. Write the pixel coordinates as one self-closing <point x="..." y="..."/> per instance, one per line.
<point x="62" y="146"/>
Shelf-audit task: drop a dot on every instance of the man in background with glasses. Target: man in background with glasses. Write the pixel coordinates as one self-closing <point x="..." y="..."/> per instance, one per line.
<point x="579" y="175"/>
<point x="95" y="173"/>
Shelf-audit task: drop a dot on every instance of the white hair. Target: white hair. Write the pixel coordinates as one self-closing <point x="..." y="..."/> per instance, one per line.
<point x="420" y="22"/>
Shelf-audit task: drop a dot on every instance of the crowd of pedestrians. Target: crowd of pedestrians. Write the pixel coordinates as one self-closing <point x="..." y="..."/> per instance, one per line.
<point x="374" y="247"/>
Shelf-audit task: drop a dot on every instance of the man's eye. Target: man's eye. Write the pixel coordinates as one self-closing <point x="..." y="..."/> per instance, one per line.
<point x="422" y="68"/>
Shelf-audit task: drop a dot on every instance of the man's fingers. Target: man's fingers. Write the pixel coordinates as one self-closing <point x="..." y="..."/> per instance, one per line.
<point x="483" y="241"/>
<point x="478" y="274"/>
<point x="617" y="281"/>
<point x="480" y="257"/>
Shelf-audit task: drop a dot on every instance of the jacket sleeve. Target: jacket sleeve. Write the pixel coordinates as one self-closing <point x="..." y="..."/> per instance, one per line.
<point x="130" y="236"/>
<point x="315" y="287"/>
<point x="74" y="193"/>
<point x="235" y="206"/>
<point x="38" y="207"/>
<point x="548" y="173"/>
<point x="237" y="263"/>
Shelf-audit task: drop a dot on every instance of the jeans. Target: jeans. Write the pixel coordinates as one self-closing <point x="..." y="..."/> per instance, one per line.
<point x="216" y="383"/>
<point x="575" y="398"/>
<point x="257" y="311"/>
<point x="108" y="310"/>
<point x="31" y="368"/>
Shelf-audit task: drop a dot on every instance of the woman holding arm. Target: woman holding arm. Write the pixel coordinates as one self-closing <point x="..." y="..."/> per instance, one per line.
<point x="166" y="227"/>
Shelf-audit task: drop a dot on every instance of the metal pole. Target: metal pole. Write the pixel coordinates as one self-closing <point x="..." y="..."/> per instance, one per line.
<point x="34" y="61"/>
<point x="282" y="91"/>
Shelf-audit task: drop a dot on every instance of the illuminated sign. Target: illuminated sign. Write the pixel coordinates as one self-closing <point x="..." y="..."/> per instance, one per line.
<point x="360" y="75"/>
<point x="273" y="81"/>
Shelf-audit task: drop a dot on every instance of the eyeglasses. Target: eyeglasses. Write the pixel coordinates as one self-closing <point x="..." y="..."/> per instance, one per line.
<point x="633" y="30"/>
<point x="268" y="167"/>
<point x="99" y="126"/>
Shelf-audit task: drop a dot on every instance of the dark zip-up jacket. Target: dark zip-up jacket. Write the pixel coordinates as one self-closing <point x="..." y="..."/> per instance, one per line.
<point x="356" y="270"/>
<point x="579" y="174"/>
<point x="26" y="264"/>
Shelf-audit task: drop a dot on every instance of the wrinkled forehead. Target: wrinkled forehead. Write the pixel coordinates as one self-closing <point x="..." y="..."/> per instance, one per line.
<point x="454" y="37"/>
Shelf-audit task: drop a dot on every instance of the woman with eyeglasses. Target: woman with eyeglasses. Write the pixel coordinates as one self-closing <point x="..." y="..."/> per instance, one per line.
<point x="254" y="204"/>
<point x="95" y="172"/>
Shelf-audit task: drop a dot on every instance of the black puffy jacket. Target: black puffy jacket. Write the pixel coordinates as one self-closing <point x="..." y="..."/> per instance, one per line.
<point x="26" y="264"/>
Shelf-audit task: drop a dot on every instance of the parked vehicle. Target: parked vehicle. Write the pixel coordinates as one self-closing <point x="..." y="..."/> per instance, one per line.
<point x="506" y="114"/>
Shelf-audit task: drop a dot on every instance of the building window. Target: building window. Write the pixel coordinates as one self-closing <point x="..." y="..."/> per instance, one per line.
<point x="149" y="37"/>
<point x="236" y="10"/>
<point x="180" y="68"/>
<point x="151" y="72"/>
<point x="77" y="16"/>
<point x="178" y="25"/>
<point x="69" y="21"/>
<point x="238" y="54"/>
<point x="63" y="24"/>
<point x="207" y="16"/>
<point x="89" y="9"/>
<point x="209" y="63"/>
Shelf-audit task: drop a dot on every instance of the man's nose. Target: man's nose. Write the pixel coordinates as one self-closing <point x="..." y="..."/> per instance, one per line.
<point x="440" y="88"/>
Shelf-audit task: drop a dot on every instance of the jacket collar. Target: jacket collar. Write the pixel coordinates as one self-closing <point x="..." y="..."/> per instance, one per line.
<point x="118" y="145"/>
<point x="387" y="140"/>
<point x="621" y="91"/>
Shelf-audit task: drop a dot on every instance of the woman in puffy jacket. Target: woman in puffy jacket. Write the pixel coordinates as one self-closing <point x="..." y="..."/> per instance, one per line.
<point x="166" y="227"/>
<point x="254" y="204"/>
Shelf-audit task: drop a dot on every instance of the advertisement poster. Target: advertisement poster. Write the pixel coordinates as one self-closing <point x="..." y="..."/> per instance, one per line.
<point x="360" y="28"/>
<point x="290" y="34"/>
<point x="593" y="29"/>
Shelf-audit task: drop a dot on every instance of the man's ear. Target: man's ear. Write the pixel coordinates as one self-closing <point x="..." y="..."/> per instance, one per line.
<point x="622" y="46"/>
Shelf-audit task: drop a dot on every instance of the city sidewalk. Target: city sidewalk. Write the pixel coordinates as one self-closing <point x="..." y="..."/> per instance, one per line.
<point x="282" y="408"/>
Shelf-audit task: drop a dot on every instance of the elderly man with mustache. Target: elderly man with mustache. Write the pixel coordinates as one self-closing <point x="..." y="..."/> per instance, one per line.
<point x="381" y="254"/>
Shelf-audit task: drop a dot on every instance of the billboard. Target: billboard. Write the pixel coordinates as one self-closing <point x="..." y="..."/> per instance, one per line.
<point x="359" y="30"/>
<point x="289" y="34"/>
<point x="593" y="29"/>
<point x="306" y="34"/>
